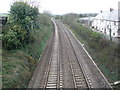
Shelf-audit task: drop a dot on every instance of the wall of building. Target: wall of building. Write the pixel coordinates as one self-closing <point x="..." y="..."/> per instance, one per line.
<point x="105" y="26"/>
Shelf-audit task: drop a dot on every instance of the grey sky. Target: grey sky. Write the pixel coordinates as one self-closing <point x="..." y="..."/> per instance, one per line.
<point x="67" y="6"/>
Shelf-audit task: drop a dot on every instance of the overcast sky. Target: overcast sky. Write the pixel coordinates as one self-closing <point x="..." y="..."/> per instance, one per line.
<point x="67" y="6"/>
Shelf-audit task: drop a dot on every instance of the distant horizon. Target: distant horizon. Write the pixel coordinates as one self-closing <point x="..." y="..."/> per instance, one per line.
<point x="52" y="14"/>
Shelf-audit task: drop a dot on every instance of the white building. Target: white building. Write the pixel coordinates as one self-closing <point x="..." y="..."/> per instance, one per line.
<point x="107" y="22"/>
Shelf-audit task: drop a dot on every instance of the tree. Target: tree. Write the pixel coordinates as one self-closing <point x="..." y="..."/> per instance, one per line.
<point x="21" y="22"/>
<point x="24" y="14"/>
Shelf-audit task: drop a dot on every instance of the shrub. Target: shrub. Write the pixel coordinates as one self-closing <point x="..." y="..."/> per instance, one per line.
<point x="10" y="40"/>
<point x="14" y="37"/>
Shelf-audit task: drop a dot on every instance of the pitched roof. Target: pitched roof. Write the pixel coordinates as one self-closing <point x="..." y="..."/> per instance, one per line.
<point x="108" y="15"/>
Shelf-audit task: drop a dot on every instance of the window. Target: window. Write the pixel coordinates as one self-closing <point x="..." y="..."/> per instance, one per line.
<point x="113" y="34"/>
<point x="115" y="23"/>
<point x="118" y="31"/>
<point x="105" y="31"/>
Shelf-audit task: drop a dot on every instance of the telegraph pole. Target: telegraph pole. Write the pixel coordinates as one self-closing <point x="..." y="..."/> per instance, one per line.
<point x="110" y="24"/>
<point x="110" y="33"/>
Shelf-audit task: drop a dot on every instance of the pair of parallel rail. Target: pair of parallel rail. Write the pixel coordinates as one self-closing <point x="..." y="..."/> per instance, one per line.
<point x="53" y="77"/>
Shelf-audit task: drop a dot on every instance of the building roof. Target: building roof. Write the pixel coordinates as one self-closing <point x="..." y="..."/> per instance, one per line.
<point x="109" y="15"/>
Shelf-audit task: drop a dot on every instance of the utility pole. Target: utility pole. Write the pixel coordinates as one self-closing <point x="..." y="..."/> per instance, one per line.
<point x="110" y="33"/>
<point x="110" y="24"/>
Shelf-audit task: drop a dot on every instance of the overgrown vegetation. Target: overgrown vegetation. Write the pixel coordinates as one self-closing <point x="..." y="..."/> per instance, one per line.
<point x="24" y="38"/>
<point x="104" y="52"/>
<point x="22" y="21"/>
<point x="19" y="65"/>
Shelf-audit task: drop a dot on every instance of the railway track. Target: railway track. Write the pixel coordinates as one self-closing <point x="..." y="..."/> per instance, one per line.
<point x="92" y="73"/>
<point x="51" y="76"/>
<point x="79" y="79"/>
<point x="65" y="67"/>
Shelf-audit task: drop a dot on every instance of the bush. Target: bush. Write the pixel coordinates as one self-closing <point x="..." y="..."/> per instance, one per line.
<point x="14" y="37"/>
<point x="10" y="40"/>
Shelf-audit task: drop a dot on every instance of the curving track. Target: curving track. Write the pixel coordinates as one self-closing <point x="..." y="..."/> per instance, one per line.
<point x="66" y="64"/>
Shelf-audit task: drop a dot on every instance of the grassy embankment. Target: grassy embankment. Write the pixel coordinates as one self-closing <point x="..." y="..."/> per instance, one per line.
<point x="19" y="65"/>
<point x="104" y="52"/>
<point x="105" y="57"/>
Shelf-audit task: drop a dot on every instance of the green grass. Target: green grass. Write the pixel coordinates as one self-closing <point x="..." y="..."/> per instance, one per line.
<point x="16" y="69"/>
<point x="4" y="15"/>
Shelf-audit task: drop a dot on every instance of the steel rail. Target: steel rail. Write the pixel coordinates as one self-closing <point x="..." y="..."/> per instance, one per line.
<point x="83" y="71"/>
<point x="51" y="68"/>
